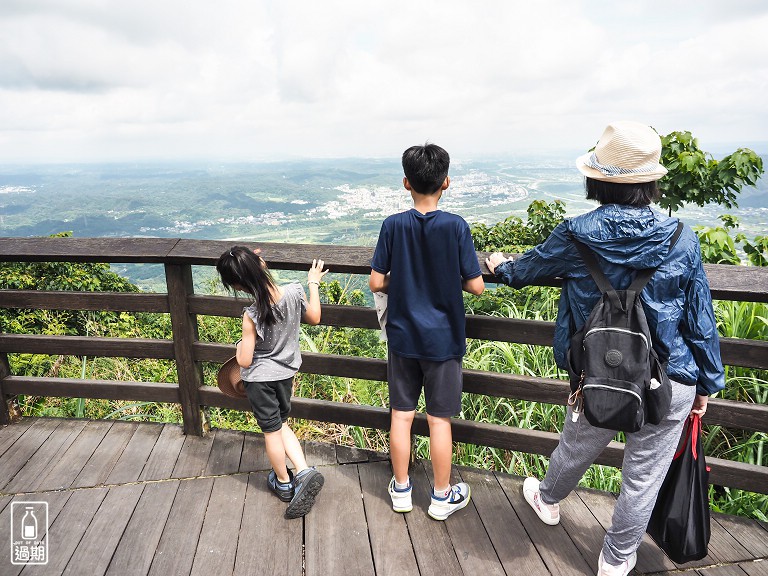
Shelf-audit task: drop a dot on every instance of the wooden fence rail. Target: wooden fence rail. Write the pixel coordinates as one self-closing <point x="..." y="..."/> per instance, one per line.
<point x="183" y="305"/>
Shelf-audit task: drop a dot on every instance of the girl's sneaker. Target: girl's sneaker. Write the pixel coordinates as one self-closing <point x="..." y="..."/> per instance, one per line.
<point x="307" y="484"/>
<point x="458" y="497"/>
<point x="282" y="490"/>
<point x="401" y="499"/>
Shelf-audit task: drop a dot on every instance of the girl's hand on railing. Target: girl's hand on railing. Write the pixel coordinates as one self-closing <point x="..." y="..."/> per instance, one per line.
<point x="312" y="313"/>
<point x="316" y="272"/>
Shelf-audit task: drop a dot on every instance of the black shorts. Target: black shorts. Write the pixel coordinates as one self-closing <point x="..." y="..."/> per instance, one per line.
<point x="270" y="402"/>
<point x="442" y="383"/>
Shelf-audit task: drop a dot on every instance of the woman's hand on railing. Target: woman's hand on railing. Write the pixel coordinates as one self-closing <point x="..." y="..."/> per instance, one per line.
<point x="494" y="260"/>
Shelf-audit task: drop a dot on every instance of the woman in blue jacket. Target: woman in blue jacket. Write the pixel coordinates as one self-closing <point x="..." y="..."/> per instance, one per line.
<point x="627" y="235"/>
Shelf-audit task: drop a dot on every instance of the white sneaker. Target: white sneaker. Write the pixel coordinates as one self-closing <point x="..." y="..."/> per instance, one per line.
<point x="547" y="513"/>
<point x="623" y="569"/>
<point x="401" y="499"/>
<point x="458" y="497"/>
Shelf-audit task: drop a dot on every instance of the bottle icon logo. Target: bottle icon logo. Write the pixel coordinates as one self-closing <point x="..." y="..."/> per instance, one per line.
<point x="29" y="533"/>
<point x="29" y="524"/>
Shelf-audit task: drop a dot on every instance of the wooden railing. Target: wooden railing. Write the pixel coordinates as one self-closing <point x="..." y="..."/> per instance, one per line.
<point x="183" y="305"/>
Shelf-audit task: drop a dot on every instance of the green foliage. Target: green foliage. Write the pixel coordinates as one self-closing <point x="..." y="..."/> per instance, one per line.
<point x="339" y="340"/>
<point x="85" y="277"/>
<point x="531" y="302"/>
<point x="757" y="253"/>
<point x="217" y="329"/>
<point x="81" y="277"/>
<point x="543" y="218"/>
<point x="719" y="247"/>
<point x="68" y="276"/>
<point x="145" y="370"/>
<point x="515" y="235"/>
<point x="746" y="320"/>
<point x="696" y="177"/>
<point x="346" y="295"/>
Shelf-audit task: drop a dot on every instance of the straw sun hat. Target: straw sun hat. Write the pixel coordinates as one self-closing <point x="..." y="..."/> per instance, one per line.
<point x="627" y="153"/>
<point x="229" y="379"/>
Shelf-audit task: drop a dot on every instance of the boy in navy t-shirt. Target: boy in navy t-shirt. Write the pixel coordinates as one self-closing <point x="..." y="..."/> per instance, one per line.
<point x="423" y="260"/>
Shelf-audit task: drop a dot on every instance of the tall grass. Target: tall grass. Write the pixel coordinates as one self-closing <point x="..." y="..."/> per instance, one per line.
<point x="748" y="320"/>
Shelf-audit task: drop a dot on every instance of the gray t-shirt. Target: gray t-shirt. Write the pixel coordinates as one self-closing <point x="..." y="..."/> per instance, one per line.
<point x="277" y="355"/>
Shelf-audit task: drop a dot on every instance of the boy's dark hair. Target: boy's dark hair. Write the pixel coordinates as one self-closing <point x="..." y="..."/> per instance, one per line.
<point x="638" y="195"/>
<point x="426" y="167"/>
<point x="242" y="267"/>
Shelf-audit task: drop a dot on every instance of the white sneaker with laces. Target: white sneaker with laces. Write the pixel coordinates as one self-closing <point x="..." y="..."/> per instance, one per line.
<point x="401" y="499"/>
<point x="623" y="569"/>
<point x="458" y="497"/>
<point x="547" y="513"/>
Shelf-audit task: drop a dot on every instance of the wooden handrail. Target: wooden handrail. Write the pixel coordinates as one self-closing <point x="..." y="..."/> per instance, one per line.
<point x="734" y="351"/>
<point x="742" y="415"/>
<point x="739" y="283"/>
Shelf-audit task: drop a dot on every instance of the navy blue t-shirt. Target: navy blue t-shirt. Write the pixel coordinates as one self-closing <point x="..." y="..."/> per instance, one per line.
<point x="427" y="257"/>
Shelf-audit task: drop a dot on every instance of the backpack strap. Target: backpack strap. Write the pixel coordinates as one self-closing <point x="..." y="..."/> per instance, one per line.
<point x="593" y="267"/>
<point x="597" y="274"/>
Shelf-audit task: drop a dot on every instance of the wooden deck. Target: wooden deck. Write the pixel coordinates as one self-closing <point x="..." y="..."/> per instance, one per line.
<point x="134" y="499"/>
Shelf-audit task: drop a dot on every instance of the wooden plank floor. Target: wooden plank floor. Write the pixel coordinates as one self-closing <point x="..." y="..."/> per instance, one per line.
<point x="135" y="499"/>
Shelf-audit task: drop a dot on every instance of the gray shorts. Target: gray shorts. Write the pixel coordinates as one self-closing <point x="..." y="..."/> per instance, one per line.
<point x="270" y="402"/>
<point x="442" y="383"/>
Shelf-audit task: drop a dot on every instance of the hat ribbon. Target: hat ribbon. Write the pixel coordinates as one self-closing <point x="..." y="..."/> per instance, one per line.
<point x="609" y="170"/>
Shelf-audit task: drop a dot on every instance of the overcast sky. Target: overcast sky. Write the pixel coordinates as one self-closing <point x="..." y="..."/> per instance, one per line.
<point x="249" y="80"/>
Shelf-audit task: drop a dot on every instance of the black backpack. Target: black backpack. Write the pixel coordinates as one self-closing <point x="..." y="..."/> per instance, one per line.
<point x="617" y="378"/>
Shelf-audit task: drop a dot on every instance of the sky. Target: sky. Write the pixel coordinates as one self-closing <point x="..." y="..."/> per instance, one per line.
<point x="254" y="80"/>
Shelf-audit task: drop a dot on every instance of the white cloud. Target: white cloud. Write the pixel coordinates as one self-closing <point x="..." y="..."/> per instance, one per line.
<point x="91" y="80"/>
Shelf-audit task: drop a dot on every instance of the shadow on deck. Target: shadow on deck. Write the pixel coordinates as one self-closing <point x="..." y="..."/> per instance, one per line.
<point x="134" y="499"/>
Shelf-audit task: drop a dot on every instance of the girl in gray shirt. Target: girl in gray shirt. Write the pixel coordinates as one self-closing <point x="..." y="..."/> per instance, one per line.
<point x="269" y="357"/>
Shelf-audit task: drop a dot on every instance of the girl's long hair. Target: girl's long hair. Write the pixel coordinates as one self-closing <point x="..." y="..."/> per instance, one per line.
<point x="240" y="266"/>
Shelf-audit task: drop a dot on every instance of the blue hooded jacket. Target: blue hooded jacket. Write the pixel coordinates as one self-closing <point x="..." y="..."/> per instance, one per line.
<point x="677" y="301"/>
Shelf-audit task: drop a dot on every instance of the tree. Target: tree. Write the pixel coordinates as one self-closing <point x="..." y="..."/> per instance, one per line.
<point x="757" y="253"/>
<point x="696" y="177"/>
<point x="717" y="245"/>
<point x="85" y="277"/>
<point x="515" y="235"/>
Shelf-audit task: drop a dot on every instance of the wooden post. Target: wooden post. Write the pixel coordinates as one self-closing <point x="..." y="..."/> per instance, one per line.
<point x="179" y="281"/>
<point x="5" y="370"/>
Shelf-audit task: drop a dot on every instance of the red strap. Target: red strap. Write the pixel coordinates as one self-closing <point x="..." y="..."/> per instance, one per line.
<point x="695" y="435"/>
<point x="684" y="445"/>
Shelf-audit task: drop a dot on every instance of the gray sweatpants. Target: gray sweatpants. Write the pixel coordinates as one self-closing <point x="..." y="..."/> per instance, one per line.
<point x="647" y="456"/>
